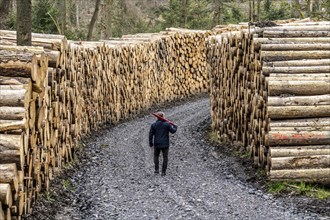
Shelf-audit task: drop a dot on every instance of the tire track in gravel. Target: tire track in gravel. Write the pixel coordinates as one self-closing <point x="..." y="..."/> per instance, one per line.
<point x="115" y="178"/>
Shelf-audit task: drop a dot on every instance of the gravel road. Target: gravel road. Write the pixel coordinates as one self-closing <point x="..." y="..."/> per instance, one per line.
<point x="114" y="178"/>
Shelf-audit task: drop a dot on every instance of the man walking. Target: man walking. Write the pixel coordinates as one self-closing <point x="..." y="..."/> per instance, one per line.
<point x="159" y="139"/>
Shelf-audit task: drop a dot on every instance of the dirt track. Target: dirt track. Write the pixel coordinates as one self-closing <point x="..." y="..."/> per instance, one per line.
<point x="114" y="178"/>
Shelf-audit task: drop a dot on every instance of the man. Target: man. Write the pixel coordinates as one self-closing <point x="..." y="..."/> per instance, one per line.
<point x="159" y="139"/>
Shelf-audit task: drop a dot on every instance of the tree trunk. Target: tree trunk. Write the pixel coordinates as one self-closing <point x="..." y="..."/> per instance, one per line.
<point x="77" y="3"/>
<point x="24" y="22"/>
<point x="299" y="100"/>
<point x="258" y="9"/>
<point x="298" y="10"/>
<point x="274" y="138"/>
<point x="184" y="9"/>
<point x="306" y="122"/>
<point x="300" y="162"/>
<point x="216" y="12"/>
<point x="298" y="87"/>
<point x="61" y="5"/>
<point x="299" y="151"/>
<point x="108" y="19"/>
<point x="93" y="21"/>
<point x="305" y="175"/>
<point x="4" y="12"/>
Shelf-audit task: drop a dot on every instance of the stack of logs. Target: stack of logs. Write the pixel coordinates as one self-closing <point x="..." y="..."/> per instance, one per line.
<point x="270" y="90"/>
<point x="57" y="91"/>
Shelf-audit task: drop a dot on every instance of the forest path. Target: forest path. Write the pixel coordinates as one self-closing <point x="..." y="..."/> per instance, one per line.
<point x="114" y="178"/>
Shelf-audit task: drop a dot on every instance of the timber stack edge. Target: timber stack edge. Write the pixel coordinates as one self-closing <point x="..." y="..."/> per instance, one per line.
<point x="270" y="93"/>
<point x="57" y="91"/>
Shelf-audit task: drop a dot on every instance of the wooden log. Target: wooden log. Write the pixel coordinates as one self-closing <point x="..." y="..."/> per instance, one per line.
<point x="287" y="27"/>
<point x="5" y="194"/>
<point x="297" y="101"/>
<point x="18" y="65"/>
<point x="281" y="151"/>
<point x="285" y="33"/>
<point x="287" y="112"/>
<point x="12" y="113"/>
<point x="298" y="87"/>
<point x="306" y="122"/>
<point x="298" y="129"/>
<point x="15" y="97"/>
<point x="12" y="149"/>
<point x="300" y="162"/>
<point x="257" y="42"/>
<point x="2" y="213"/>
<point x="296" y="69"/>
<point x="294" y="47"/>
<point x="290" y="63"/>
<point x="9" y="175"/>
<point x="298" y="77"/>
<point x="321" y="175"/>
<point x="297" y="138"/>
<point x="9" y="125"/>
<point x="269" y="56"/>
<point x="53" y="56"/>
<point x="5" y="80"/>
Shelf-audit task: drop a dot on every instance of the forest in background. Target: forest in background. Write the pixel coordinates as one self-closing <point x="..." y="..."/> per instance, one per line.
<point x="103" y="19"/>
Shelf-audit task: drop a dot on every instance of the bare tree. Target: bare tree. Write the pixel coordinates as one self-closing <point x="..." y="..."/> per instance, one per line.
<point x="93" y="21"/>
<point x="4" y="12"/>
<point x="24" y="22"/>
<point x="61" y="4"/>
<point x="298" y="10"/>
<point x="216" y="12"/>
<point x="258" y="10"/>
<point x="107" y="14"/>
<point x="184" y="12"/>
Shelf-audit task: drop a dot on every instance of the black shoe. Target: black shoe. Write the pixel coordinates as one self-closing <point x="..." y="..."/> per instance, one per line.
<point x="156" y="171"/>
<point x="163" y="174"/>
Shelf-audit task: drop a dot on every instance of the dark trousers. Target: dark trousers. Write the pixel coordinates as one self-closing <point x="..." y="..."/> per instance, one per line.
<point x="165" y="158"/>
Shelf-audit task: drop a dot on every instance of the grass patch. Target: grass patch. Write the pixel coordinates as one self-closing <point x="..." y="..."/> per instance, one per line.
<point x="261" y="172"/>
<point x="67" y="185"/>
<point x="276" y="187"/>
<point x="307" y="189"/>
<point x="214" y="137"/>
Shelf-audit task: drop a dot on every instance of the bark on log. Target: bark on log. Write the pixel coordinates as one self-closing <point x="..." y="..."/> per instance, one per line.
<point x="307" y="122"/>
<point x="298" y="87"/>
<point x="298" y="28"/>
<point x="12" y="113"/>
<point x="281" y="151"/>
<point x="9" y="125"/>
<point x="15" y="96"/>
<point x="285" y="33"/>
<point x="298" y="129"/>
<point x="257" y="42"/>
<point x="9" y="175"/>
<point x="300" y="162"/>
<point x="12" y="149"/>
<point x="297" y="101"/>
<point x="269" y="56"/>
<point x="297" y="138"/>
<point x="294" y="47"/>
<point x="5" y="194"/>
<point x="287" y="112"/>
<point x="302" y="175"/>
<point x="291" y="63"/>
<point x="298" y="77"/>
<point x="297" y="69"/>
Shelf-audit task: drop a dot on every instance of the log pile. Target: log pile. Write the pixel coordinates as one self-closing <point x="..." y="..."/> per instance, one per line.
<point x="274" y="97"/>
<point x="57" y="91"/>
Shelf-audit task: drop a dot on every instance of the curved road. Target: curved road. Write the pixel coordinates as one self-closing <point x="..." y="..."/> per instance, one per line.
<point x="115" y="179"/>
